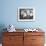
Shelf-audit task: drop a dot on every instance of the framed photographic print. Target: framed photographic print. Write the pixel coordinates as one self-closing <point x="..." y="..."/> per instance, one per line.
<point x="26" y="14"/>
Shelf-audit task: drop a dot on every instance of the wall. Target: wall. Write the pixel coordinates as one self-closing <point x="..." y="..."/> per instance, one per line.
<point x="9" y="13"/>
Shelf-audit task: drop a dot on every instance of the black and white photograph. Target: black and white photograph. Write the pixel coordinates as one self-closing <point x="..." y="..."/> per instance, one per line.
<point x="26" y="14"/>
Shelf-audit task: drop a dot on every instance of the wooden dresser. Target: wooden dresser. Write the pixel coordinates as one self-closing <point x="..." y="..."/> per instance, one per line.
<point x="23" y="39"/>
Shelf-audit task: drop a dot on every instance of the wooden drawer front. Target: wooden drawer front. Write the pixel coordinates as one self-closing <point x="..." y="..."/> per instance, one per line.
<point x="37" y="45"/>
<point x="34" y="33"/>
<point x="18" y="44"/>
<point x="27" y="41"/>
<point x="12" y="39"/>
<point x="37" y="39"/>
<point x="8" y="45"/>
<point x="13" y="33"/>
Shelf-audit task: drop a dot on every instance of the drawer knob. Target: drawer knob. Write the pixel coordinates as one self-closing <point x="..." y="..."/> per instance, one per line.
<point x="11" y="38"/>
<point x="33" y="39"/>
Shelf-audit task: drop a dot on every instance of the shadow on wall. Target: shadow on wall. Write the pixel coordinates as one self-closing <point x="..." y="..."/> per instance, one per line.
<point x="2" y="26"/>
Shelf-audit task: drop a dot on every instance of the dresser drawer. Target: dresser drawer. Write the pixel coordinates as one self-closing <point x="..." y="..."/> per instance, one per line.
<point x="37" y="39"/>
<point x="37" y="44"/>
<point x="13" y="44"/>
<point x="34" y="33"/>
<point x="12" y="39"/>
<point x="13" y="33"/>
